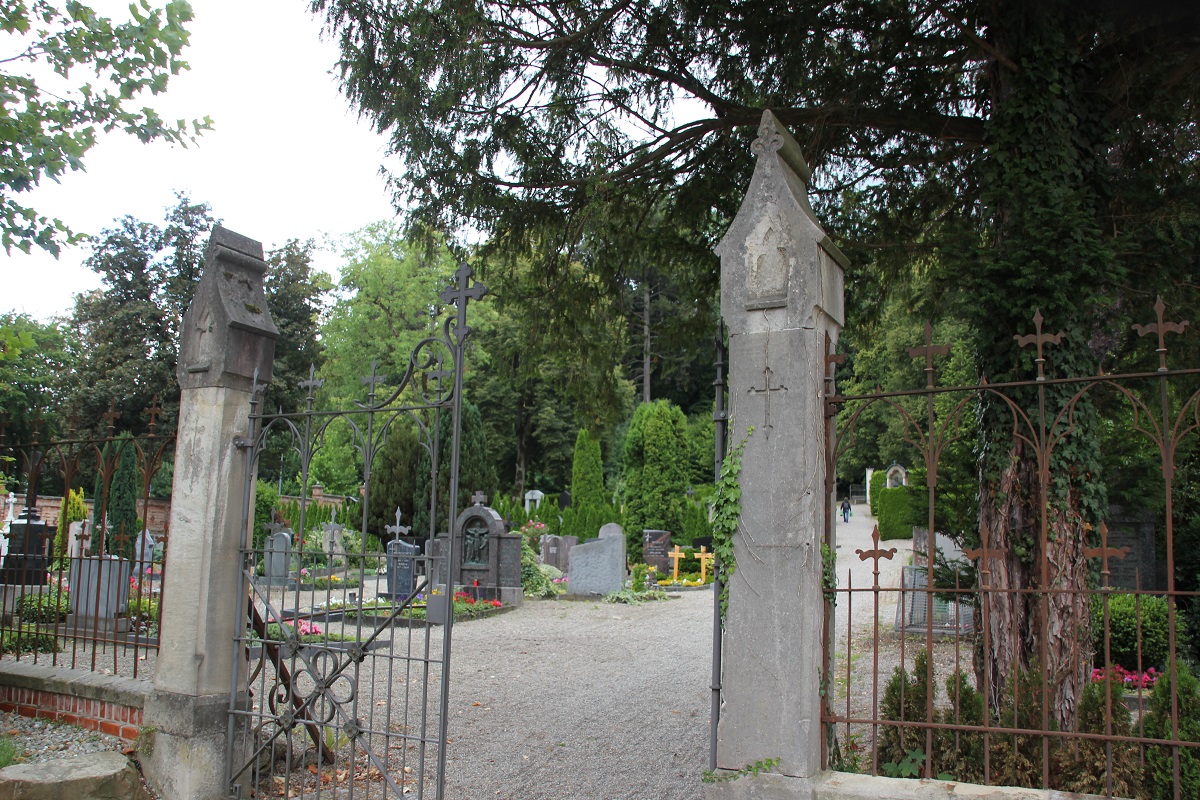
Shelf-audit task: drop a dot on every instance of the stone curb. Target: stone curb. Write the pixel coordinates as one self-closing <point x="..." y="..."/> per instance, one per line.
<point x="129" y="692"/>
<point x="94" y="776"/>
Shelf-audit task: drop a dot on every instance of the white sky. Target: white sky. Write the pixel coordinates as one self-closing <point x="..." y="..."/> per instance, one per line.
<point x="286" y="158"/>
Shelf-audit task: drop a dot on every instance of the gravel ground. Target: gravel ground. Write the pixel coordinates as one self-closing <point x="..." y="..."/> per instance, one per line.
<point x="38" y="740"/>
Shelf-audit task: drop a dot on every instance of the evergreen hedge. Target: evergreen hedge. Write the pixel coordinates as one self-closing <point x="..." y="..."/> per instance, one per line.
<point x="587" y="472"/>
<point x="895" y="511"/>
<point x="878" y="483"/>
<point x="74" y="510"/>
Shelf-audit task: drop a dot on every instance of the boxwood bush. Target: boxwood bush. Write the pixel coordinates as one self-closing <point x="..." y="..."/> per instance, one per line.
<point x="895" y="512"/>
<point x="1123" y="627"/>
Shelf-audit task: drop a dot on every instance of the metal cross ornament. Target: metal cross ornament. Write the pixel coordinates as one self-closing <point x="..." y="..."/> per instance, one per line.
<point x="928" y="352"/>
<point x="876" y="553"/>
<point x="1104" y="553"/>
<point x="397" y="529"/>
<point x="1038" y="338"/>
<point x="462" y="291"/>
<point x="1162" y="328"/>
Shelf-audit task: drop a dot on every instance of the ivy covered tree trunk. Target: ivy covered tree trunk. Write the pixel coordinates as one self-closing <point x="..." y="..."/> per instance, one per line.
<point x="1047" y="139"/>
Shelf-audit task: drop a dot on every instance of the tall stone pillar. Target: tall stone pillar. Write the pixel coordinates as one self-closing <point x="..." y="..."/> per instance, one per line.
<point x="781" y="295"/>
<point x="227" y="335"/>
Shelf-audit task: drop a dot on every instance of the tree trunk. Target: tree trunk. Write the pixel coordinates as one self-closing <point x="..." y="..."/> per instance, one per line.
<point x="646" y="342"/>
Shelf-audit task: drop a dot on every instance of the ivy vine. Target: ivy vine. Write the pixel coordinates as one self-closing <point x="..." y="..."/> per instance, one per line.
<point x="727" y="511"/>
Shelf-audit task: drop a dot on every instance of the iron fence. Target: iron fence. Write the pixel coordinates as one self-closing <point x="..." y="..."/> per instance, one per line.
<point x="1054" y="649"/>
<point x="82" y="574"/>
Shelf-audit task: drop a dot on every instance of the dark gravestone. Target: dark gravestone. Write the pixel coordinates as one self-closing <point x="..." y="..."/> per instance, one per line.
<point x="25" y="562"/>
<point x="488" y="558"/>
<point x="655" y="545"/>
<point x="1134" y="529"/>
<point x="564" y="501"/>
<point x="556" y="550"/>
<point x="401" y="570"/>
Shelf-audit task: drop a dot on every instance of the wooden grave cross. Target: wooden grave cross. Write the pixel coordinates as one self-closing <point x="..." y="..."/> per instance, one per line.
<point x="705" y="559"/>
<point x="675" y="555"/>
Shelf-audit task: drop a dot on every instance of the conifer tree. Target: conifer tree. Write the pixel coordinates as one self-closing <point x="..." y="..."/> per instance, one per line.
<point x="655" y="472"/>
<point x="119" y="503"/>
<point x="394" y="479"/>
<point x="587" y="472"/>
<point x="476" y="473"/>
<point x="73" y="511"/>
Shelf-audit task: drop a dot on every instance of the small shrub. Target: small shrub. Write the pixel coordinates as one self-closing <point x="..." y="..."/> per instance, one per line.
<point x="1160" y="780"/>
<point x="46" y="608"/>
<point x="632" y="598"/>
<point x="28" y="639"/>
<point x="1085" y="766"/>
<point x="1124" y="628"/>
<point x="638" y="583"/>
<point x="534" y="582"/>
<point x="9" y="752"/>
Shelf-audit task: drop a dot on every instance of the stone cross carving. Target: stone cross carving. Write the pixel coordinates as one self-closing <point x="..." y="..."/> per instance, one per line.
<point x="766" y="390"/>
<point x="478" y="499"/>
<point x="1104" y="552"/>
<point x="706" y="558"/>
<point x="675" y="555"/>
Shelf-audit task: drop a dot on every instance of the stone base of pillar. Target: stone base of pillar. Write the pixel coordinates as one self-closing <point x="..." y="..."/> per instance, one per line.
<point x="763" y="786"/>
<point x="183" y="753"/>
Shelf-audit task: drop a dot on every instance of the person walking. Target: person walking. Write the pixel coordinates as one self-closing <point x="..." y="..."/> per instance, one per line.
<point x="845" y="510"/>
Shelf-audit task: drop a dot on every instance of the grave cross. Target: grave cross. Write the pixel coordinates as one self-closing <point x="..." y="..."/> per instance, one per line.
<point x="705" y="559"/>
<point x="83" y="537"/>
<point x="273" y="528"/>
<point x="876" y="553"/>
<point x="1038" y="338"/>
<point x="675" y="555"/>
<point x="479" y="498"/>
<point x="1104" y="553"/>
<point x="768" y="388"/>
<point x="928" y="352"/>
<point x="1162" y="328"/>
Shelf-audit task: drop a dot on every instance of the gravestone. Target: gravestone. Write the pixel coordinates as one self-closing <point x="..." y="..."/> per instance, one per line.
<point x="781" y="301"/>
<point x="488" y="557"/>
<point x="79" y="536"/>
<point x="277" y="554"/>
<point x="25" y="559"/>
<point x="611" y="529"/>
<point x="332" y="544"/>
<point x="564" y="501"/>
<point x="145" y="549"/>
<point x="597" y="567"/>
<point x="655" y="546"/>
<point x="533" y="498"/>
<point x="896" y="476"/>
<point x="401" y="570"/>
<point x="1134" y="529"/>
<point x="556" y="550"/>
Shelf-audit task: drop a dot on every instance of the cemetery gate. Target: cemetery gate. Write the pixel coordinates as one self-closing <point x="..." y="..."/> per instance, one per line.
<point x="340" y="678"/>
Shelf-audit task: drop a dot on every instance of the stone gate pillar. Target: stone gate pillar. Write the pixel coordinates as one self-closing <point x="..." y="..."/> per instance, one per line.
<point x="781" y="295"/>
<point x="227" y="335"/>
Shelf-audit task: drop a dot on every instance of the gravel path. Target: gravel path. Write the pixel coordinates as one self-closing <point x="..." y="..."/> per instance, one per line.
<point x="582" y="700"/>
<point x="38" y="740"/>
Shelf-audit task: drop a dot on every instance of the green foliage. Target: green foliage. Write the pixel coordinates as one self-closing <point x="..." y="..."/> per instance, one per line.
<point x="762" y="765"/>
<point x="266" y="499"/>
<point x="695" y="524"/>
<point x="9" y="752"/>
<point x="587" y="472"/>
<point x="117" y="501"/>
<point x="896" y="509"/>
<point x="28" y="639"/>
<point x="307" y="532"/>
<point x="534" y="582"/>
<point x="727" y="513"/>
<point x="1126" y="629"/>
<point x="73" y="511"/>
<point x="586" y="521"/>
<point x="655" y="473"/>
<point x="34" y="358"/>
<point x="1160" y="773"/>
<point x="1089" y="765"/>
<point x="475" y="474"/>
<point x="632" y="597"/>
<point x="295" y="297"/>
<point x="45" y="608"/>
<point x="638" y="578"/>
<point x="394" y="478"/>
<point x="878" y="483"/>
<point x="129" y="331"/>
<point x="48" y="131"/>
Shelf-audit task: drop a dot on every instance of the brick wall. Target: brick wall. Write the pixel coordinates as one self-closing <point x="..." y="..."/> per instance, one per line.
<point x="158" y="513"/>
<point x="106" y="703"/>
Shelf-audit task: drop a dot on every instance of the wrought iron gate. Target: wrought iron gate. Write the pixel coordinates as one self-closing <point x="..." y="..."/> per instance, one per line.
<point x="340" y="680"/>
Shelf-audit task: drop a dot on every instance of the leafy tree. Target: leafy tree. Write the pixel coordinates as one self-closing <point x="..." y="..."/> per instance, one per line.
<point x="50" y="124"/>
<point x="114" y="513"/>
<point x="1021" y="156"/>
<point x="655" y="472"/>
<point x="30" y="374"/>
<point x="295" y="297"/>
<point x="386" y="302"/>
<point x="128" y="332"/>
